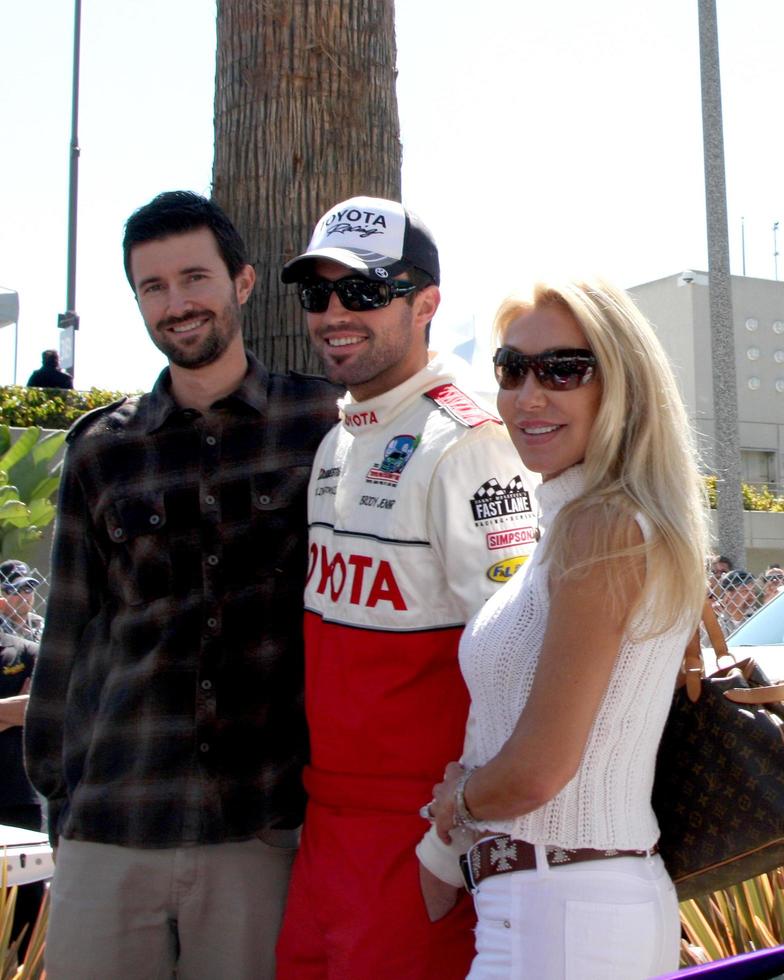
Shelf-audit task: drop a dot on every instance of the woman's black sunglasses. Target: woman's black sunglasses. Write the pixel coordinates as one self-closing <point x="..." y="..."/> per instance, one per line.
<point x="556" y="370"/>
<point x="355" y="293"/>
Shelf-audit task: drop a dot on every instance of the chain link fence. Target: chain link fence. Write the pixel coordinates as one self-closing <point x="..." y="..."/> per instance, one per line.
<point x="25" y="615"/>
<point x="737" y="593"/>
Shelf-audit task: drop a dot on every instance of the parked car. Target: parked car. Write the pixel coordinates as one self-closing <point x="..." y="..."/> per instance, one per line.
<point x="760" y="637"/>
<point x="28" y="855"/>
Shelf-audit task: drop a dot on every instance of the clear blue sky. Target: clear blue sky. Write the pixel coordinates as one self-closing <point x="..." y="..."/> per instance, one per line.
<point x="536" y="138"/>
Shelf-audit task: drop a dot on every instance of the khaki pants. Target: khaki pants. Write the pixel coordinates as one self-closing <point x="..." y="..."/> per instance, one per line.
<point x="211" y="911"/>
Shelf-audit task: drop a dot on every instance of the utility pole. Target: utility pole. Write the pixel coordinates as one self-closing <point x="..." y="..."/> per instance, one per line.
<point x="69" y="321"/>
<point x="743" y="243"/>
<point x="725" y="393"/>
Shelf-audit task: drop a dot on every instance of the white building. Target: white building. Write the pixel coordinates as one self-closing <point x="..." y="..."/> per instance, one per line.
<point x="679" y="310"/>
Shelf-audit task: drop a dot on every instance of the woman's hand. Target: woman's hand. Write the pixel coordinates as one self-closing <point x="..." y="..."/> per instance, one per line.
<point x="439" y="896"/>
<point x="443" y="805"/>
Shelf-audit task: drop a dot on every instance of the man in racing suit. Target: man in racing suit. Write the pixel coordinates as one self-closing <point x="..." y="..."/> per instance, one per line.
<point x="418" y="509"/>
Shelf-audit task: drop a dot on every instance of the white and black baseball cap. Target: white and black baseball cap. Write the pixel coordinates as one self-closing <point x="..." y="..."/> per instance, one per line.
<point x="377" y="238"/>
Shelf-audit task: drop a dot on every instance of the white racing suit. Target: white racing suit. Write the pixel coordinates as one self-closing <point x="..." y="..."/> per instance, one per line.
<point x="419" y="508"/>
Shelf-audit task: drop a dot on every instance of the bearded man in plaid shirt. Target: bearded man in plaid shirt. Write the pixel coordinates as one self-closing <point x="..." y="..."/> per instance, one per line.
<point x="165" y="725"/>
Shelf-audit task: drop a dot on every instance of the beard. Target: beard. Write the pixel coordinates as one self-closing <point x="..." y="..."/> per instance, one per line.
<point x="208" y="346"/>
<point x="384" y="350"/>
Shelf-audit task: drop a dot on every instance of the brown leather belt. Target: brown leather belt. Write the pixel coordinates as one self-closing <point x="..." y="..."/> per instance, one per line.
<point x="500" y="854"/>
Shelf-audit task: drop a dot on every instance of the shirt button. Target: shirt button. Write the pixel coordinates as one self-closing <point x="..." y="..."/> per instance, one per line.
<point x="206" y="685"/>
<point x="212" y="560"/>
<point x="117" y="532"/>
<point x="204" y="747"/>
<point x="155" y="519"/>
<point x="211" y="440"/>
<point x="209" y="499"/>
<point x="507" y="924"/>
<point x="212" y="622"/>
<point x="264" y="498"/>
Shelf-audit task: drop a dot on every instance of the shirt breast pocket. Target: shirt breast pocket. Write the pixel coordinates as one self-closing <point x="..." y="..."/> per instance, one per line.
<point x="140" y="568"/>
<point x="280" y="516"/>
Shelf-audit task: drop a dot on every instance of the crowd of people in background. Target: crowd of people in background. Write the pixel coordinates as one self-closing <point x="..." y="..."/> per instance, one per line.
<point x="20" y="630"/>
<point x="737" y="593"/>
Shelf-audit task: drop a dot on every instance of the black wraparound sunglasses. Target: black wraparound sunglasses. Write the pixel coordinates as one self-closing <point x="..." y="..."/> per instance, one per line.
<point x="355" y="293"/>
<point x="563" y="369"/>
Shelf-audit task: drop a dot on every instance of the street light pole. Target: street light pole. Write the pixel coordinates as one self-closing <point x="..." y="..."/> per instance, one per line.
<point x="69" y="321"/>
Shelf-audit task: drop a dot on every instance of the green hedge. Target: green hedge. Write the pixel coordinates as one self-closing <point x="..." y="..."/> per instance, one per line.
<point x="754" y="498"/>
<point x="50" y="408"/>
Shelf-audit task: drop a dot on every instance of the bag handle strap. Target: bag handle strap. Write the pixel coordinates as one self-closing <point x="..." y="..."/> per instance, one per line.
<point x="740" y="695"/>
<point x="693" y="666"/>
<point x="712" y="628"/>
<point x="755" y="695"/>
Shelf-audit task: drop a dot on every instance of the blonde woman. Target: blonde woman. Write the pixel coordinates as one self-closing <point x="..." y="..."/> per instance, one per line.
<point x="571" y="666"/>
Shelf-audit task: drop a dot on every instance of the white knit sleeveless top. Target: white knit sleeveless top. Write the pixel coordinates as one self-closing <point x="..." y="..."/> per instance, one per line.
<point x="607" y="804"/>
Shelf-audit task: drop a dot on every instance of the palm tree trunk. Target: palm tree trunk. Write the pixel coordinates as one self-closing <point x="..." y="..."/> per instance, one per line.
<point x="725" y="393"/>
<point x="305" y="116"/>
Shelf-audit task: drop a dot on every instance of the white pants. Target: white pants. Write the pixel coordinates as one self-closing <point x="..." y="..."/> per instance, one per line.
<point x="211" y="912"/>
<point x="613" y="919"/>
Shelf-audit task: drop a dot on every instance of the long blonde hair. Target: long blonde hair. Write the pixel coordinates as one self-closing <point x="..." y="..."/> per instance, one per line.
<point x="640" y="457"/>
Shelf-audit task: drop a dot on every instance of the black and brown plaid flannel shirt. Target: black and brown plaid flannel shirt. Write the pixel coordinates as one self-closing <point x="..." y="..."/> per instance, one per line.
<point x="166" y="706"/>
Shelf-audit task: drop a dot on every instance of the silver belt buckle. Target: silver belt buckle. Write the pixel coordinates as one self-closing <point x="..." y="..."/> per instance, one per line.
<point x="466" y="870"/>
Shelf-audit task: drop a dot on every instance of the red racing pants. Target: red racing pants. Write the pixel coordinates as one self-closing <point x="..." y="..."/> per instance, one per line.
<point x="355" y="910"/>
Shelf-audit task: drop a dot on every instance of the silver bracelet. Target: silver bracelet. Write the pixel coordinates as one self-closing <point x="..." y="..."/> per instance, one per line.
<point x="463" y="816"/>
